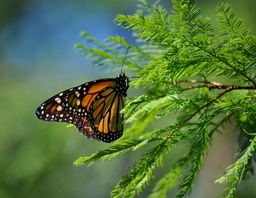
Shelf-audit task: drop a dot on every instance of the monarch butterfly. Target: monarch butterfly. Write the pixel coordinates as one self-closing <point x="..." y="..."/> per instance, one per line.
<point x="94" y="108"/>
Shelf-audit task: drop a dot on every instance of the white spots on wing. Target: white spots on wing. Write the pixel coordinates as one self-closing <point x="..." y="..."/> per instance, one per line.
<point x="58" y="100"/>
<point x="77" y="94"/>
<point x="84" y="88"/>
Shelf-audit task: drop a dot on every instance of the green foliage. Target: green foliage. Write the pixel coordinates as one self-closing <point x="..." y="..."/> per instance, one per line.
<point x="177" y="59"/>
<point x="237" y="171"/>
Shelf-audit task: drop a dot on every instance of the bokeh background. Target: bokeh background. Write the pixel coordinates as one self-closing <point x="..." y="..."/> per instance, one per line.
<point x="38" y="60"/>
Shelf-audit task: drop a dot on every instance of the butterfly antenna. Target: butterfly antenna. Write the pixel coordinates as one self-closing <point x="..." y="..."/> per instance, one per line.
<point x="125" y="59"/>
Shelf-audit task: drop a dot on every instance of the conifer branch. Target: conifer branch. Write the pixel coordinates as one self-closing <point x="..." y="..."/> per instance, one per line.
<point x="196" y="112"/>
<point x="214" y="85"/>
<point x="170" y="48"/>
<point x="238" y="71"/>
<point x="234" y="173"/>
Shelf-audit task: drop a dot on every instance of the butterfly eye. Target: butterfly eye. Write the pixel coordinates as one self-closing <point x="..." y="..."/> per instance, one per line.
<point x="94" y="108"/>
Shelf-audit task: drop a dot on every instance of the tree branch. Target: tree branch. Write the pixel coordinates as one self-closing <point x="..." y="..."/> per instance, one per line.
<point x="214" y="85"/>
<point x="196" y="112"/>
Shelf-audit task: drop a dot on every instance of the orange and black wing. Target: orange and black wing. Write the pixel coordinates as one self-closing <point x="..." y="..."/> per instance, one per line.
<point x="94" y="108"/>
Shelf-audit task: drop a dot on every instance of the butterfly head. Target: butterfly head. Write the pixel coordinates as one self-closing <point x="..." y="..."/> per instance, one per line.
<point x="122" y="82"/>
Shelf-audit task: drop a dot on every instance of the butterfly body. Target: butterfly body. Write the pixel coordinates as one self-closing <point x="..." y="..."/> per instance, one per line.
<point x="94" y="108"/>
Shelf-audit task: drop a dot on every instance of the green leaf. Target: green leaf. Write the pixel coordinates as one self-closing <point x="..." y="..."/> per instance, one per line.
<point x="234" y="173"/>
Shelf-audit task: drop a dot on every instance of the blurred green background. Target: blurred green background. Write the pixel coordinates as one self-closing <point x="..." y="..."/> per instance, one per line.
<point x="37" y="60"/>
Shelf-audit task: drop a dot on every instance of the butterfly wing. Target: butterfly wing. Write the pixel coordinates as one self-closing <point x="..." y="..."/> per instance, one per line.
<point x="105" y="114"/>
<point x="94" y="108"/>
